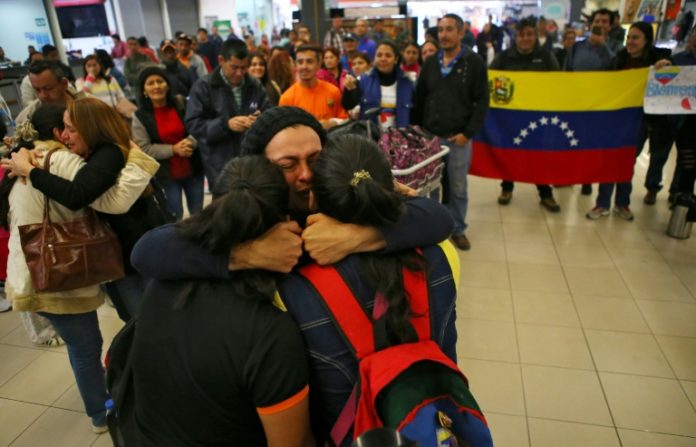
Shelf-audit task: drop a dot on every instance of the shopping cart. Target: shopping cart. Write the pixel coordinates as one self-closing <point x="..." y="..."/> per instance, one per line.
<point x="425" y="176"/>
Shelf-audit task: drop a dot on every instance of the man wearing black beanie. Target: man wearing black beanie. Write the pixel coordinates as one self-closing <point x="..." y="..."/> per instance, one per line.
<point x="292" y="139"/>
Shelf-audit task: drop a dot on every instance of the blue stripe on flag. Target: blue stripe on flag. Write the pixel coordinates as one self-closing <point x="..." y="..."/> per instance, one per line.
<point x="517" y="129"/>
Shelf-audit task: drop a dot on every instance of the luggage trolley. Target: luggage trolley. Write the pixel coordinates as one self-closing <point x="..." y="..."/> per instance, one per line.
<point x="431" y="180"/>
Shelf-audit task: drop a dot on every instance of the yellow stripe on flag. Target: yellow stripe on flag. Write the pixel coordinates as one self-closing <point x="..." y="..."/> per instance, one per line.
<point x="567" y="91"/>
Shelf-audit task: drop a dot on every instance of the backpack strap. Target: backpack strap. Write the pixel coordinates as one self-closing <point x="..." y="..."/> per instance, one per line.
<point x="349" y="316"/>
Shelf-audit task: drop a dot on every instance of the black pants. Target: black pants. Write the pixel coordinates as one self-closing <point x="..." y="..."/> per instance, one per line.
<point x="544" y="190"/>
<point x="686" y="154"/>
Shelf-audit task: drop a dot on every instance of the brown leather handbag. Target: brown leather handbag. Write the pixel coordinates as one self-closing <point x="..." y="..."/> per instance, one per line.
<point x="72" y="254"/>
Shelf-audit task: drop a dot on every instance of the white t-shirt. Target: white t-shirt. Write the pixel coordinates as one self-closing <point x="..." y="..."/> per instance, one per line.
<point x="387" y="115"/>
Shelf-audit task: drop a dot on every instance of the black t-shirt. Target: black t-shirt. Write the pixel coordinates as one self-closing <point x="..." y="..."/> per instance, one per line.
<point x="205" y="360"/>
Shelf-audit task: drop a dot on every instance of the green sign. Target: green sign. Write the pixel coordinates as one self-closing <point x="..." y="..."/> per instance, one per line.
<point x="224" y="27"/>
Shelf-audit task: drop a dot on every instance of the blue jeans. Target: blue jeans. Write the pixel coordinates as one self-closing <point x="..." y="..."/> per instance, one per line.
<point x="623" y="190"/>
<point x="127" y="295"/>
<point x="457" y="165"/>
<point x="192" y="187"/>
<point x="84" y="342"/>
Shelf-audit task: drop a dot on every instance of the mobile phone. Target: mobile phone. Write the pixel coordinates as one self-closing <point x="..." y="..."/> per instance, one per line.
<point x="597" y="30"/>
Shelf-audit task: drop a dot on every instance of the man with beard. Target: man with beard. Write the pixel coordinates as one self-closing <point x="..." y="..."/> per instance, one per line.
<point x="451" y="101"/>
<point x="292" y="140"/>
<point x="180" y="77"/>
<point x="320" y="98"/>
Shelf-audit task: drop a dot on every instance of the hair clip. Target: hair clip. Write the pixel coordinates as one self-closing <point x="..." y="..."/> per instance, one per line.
<point x="359" y="177"/>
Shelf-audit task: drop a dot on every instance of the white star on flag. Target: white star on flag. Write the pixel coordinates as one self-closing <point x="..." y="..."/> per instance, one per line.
<point x="574" y="142"/>
<point x="544" y="121"/>
<point x="570" y="133"/>
<point x="524" y="132"/>
<point x="555" y="120"/>
<point x="533" y="125"/>
<point x="517" y="141"/>
<point x="564" y="125"/>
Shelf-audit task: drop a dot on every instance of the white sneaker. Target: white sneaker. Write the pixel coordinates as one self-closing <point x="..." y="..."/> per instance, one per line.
<point x="597" y="212"/>
<point x="5" y="305"/>
<point x="99" y="429"/>
<point x="624" y="212"/>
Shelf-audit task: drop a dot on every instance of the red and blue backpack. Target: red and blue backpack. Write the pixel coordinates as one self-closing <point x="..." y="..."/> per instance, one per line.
<point x="411" y="387"/>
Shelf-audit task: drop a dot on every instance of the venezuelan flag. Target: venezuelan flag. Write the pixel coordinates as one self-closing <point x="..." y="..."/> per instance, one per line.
<point x="561" y="127"/>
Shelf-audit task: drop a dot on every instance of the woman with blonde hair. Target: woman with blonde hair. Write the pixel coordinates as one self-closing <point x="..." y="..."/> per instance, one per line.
<point x="95" y="132"/>
<point x="72" y="312"/>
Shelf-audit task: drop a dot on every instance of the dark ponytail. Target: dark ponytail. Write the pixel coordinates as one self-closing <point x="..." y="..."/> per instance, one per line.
<point x="250" y="196"/>
<point x="40" y="128"/>
<point x="353" y="183"/>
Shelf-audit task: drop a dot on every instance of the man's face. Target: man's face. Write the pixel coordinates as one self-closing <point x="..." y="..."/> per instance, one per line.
<point x="133" y="46"/>
<point x="602" y="20"/>
<point x="234" y="69"/>
<point x="52" y="56"/>
<point x="48" y="89"/>
<point x="336" y="23"/>
<point x="360" y="27"/>
<point x="2" y="53"/>
<point x="307" y="65"/>
<point x="168" y="54"/>
<point x="184" y="47"/>
<point x="202" y="36"/>
<point x="569" y="40"/>
<point x="36" y="57"/>
<point x="450" y="37"/>
<point x="350" y="45"/>
<point x="525" y="39"/>
<point x="378" y="27"/>
<point x="294" y="150"/>
<point x="304" y="35"/>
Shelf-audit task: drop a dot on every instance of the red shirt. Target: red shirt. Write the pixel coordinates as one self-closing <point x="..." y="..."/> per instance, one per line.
<point x="171" y="130"/>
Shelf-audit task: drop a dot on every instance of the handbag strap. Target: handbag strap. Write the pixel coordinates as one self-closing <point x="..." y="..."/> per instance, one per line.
<point x="47" y="168"/>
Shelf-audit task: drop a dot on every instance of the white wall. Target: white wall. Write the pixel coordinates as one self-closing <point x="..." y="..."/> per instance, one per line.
<point x="220" y="9"/>
<point x="18" y="27"/>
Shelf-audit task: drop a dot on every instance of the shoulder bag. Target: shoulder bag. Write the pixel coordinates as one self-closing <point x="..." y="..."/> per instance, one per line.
<point x="72" y="254"/>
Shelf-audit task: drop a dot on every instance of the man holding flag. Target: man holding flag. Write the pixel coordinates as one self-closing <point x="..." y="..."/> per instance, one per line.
<point x="451" y="101"/>
<point x="526" y="55"/>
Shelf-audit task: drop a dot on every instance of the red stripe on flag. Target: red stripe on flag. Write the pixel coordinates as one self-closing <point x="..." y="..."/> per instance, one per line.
<point x="554" y="167"/>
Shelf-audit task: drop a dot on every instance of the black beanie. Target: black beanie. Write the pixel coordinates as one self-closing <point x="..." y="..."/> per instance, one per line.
<point x="272" y="121"/>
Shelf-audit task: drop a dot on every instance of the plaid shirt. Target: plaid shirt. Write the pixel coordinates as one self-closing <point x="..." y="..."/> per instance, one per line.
<point x="334" y="39"/>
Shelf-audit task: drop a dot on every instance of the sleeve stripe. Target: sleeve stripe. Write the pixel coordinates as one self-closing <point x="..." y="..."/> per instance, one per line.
<point x="286" y="404"/>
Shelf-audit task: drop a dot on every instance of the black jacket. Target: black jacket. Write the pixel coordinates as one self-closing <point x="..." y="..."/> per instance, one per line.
<point x="456" y="103"/>
<point x="538" y="60"/>
<point x="210" y="106"/>
<point x="652" y="55"/>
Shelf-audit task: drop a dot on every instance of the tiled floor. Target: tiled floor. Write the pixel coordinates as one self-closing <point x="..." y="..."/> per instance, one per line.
<point x="572" y="332"/>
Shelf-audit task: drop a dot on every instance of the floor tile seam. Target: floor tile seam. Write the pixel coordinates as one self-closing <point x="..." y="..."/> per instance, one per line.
<point x="32" y="423"/>
<point x="625" y="280"/>
<point x="589" y="350"/>
<point x="517" y="339"/>
<point x="617" y="427"/>
<point x="674" y="371"/>
<point x="72" y="410"/>
<point x="2" y="384"/>
<point x="657" y="432"/>
<point x="591" y="424"/>
<point x="632" y="374"/>
<point x="36" y="348"/>
<point x="670" y="266"/>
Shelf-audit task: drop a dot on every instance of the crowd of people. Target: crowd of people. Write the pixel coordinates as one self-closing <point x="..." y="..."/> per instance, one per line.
<point x="253" y="121"/>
